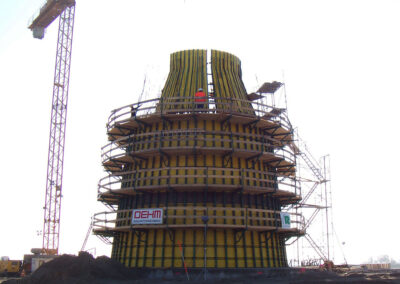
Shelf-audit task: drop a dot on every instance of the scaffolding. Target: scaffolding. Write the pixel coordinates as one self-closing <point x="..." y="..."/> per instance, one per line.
<point x="220" y="173"/>
<point x="314" y="180"/>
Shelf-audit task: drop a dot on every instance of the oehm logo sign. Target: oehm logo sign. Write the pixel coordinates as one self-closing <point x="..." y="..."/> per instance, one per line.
<point x="147" y="216"/>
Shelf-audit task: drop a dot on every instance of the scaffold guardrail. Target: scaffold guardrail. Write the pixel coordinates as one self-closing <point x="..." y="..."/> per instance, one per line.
<point x="181" y="217"/>
<point x="188" y="105"/>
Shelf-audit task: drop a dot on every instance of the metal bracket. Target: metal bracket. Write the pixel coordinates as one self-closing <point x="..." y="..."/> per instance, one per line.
<point x="139" y="235"/>
<point x="254" y="157"/>
<point x="112" y="136"/>
<point x="135" y="156"/>
<point x="270" y="237"/>
<point x="288" y="170"/>
<point x="224" y="122"/>
<point x="251" y="123"/>
<point x="240" y="237"/>
<point x="164" y="119"/>
<point x="275" y="128"/>
<point x="195" y="116"/>
<point x="116" y="163"/>
<point x="121" y="130"/>
<point x="163" y="155"/>
<point x="278" y="165"/>
<point x="227" y="158"/>
<point x="142" y="123"/>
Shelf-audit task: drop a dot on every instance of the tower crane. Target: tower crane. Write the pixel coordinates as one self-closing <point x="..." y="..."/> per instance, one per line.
<point x="65" y="11"/>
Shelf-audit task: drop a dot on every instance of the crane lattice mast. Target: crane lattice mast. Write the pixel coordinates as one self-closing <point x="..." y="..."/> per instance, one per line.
<point x="65" y="10"/>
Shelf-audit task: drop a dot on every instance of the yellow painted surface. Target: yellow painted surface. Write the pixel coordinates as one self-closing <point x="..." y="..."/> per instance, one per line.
<point x="10" y="266"/>
<point x="231" y="250"/>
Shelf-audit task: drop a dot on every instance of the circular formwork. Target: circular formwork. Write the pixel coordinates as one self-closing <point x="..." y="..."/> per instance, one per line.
<point x="219" y="168"/>
<point x="220" y="179"/>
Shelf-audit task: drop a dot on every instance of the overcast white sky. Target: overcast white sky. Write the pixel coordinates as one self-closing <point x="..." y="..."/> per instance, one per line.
<point x="341" y="64"/>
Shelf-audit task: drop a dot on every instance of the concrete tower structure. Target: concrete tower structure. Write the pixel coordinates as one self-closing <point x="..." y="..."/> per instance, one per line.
<point x="199" y="184"/>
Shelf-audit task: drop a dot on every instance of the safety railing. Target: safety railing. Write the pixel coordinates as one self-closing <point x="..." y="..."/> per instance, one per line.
<point x="186" y="217"/>
<point x="188" y="105"/>
<point x="196" y="139"/>
<point x="199" y="177"/>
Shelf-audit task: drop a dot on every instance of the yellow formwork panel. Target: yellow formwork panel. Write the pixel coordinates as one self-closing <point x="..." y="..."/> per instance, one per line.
<point x="227" y="79"/>
<point x="125" y="249"/>
<point x="224" y="249"/>
<point x="187" y="74"/>
<point x="195" y="137"/>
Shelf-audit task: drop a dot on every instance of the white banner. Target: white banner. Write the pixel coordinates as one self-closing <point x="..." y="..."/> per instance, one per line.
<point x="285" y="218"/>
<point x="147" y="216"/>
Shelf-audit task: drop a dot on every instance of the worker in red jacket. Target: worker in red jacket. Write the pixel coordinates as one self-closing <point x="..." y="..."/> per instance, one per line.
<point x="200" y="98"/>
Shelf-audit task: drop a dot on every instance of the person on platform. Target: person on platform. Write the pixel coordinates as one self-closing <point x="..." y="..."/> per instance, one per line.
<point x="200" y="98"/>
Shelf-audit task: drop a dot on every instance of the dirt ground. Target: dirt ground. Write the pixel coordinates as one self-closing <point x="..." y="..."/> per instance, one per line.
<point x="85" y="269"/>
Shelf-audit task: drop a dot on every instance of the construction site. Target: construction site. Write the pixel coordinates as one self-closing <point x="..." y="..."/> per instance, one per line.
<point x="204" y="181"/>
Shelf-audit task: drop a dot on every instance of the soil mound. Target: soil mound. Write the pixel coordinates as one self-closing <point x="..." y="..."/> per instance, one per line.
<point x="80" y="269"/>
